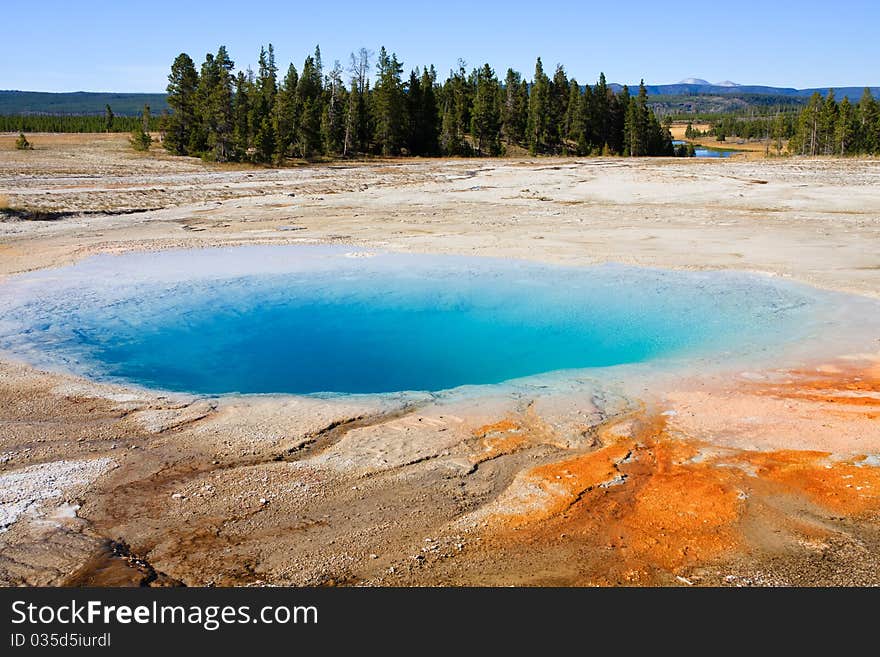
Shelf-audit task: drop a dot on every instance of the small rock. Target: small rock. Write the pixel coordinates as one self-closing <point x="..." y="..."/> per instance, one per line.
<point x="264" y="501"/>
<point x="178" y="496"/>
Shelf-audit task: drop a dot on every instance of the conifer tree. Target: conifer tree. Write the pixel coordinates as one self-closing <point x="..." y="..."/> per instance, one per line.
<point x="428" y="119"/>
<point x="868" y="123"/>
<point x="261" y="103"/>
<point x="539" y="106"/>
<point x="828" y="124"/>
<point x="308" y="100"/>
<point x="636" y="127"/>
<point x="241" y="113"/>
<point x="514" y="111"/>
<point x="618" y="106"/>
<point x="389" y="104"/>
<point x="140" y="136"/>
<point x="845" y="128"/>
<point x="457" y="100"/>
<point x="486" y="113"/>
<point x="605" y="116"/>
<point x="182" y="123"/>
<point x="285" y="114"/>
<point x="450" y="138"/>
<point x="807" y="138"/>
<point x="558" y="108"/>
<point x="333" y="119"/>
<point x="108" y="118"/>
<point x="584" y="127"/>
<point x="204" y="123"/>
<point x="357" y="124"/>
<point x="413" y="138"/>
<point x="220" y="108"/>
<point x="570" y="127"/>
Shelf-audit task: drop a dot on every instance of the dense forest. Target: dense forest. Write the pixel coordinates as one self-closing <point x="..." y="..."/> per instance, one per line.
<point x="828" y="127"/>
<point x="73" y="123"/>
<point x="262" y="117"/>
<point x="823" y="126"/>
<point x="80" y="103"/>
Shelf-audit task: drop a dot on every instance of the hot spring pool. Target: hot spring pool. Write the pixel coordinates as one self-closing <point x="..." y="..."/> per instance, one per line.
<point x="317" y="319"/>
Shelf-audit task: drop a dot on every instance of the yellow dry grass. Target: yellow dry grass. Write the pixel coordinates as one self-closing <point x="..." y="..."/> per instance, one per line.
<point x="751" y="149"/>
<point x="678" y="129"/>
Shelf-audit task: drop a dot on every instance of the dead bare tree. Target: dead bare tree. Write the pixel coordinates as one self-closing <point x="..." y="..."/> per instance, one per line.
<point x="359" y="67"/>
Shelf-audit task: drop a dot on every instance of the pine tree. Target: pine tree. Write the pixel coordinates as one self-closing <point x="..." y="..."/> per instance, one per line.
<point x="636" y="127"/>
<point x="285" y="114"/>
<point x="539" y="106"/>
<point x="845" y="129"/>
<point x="604" y="116"/>
<point x="333" y="119"/>
<point x="450" y="139"/>
<point x="389" y="106"/>
<point x="778" y="132"/>
<point x="309" y="91"/>
<point x="203" y="123"/>
<point x="108" y="118"/>
<point x="558" y="108"/>
<point x="618" y="106"/>
<point x="457" y="103"/>
<point x="140" y="136"/>
<point x="514" y="111"/>
<point x="486" y="113"/>
<point x="357" y="126"/>
<point x="807" y="138"/>
<point x="261" y="103"/>
<point x="828" y="124"/>
<point x="413" y="139"/>
<point x="183" y="81"/>
<point x="571" y="129"/>
<point x="428" y="119"/>
<point x="241" y="112"/>
<point x="220" y="105"/>
<point x="585" y="124"/>
<point x="868" y="123"/>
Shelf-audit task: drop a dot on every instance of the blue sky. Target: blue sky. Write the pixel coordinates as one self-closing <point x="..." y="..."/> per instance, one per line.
<point x="59" y="45"/>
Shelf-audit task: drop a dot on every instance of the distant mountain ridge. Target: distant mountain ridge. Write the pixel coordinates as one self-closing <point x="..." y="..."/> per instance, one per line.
<point x="698" y="87"/>
<point x="131" y="104"/>
<point x="79" y="102"/>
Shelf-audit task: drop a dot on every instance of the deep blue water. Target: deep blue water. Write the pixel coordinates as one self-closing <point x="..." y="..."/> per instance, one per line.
<point x="706" y="152"/>
<point x="315" y="319"/>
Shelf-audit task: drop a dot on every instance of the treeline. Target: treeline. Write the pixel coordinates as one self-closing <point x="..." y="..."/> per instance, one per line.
<point x="71" y="123"/>
<point x="828" y="127"/>
<point x="823" y="127"/>
<point x="264" y="117"/>
<point x="779" y="127"/>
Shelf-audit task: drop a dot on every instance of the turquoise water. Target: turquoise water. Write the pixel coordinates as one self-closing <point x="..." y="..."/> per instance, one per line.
<point x="326" y="319"/>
